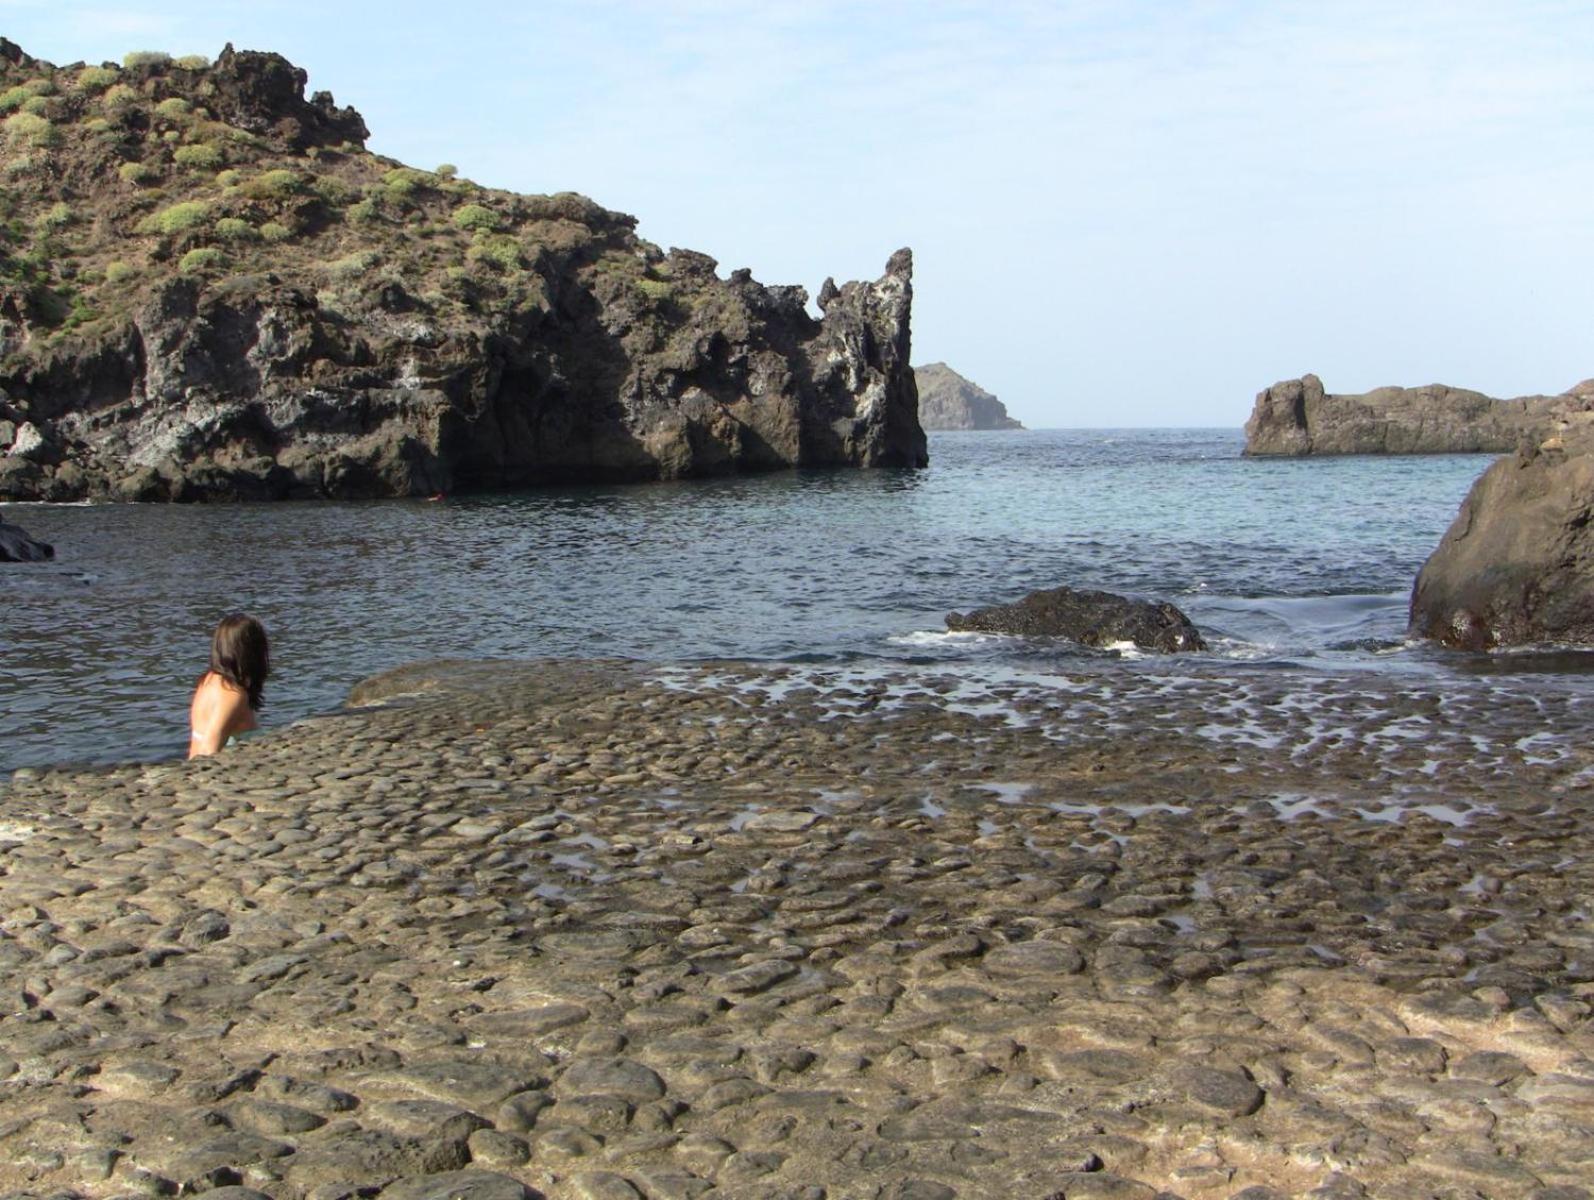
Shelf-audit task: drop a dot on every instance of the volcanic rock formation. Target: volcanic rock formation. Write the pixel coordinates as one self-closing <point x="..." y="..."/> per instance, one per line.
<point x="948" y="401"/>
<point x="220" y="294"/>
<point x="1099" y="619"/>
<point x="17" y="546"/>
<point x="1297" y="417"/>
<point x="1517" y="565"/>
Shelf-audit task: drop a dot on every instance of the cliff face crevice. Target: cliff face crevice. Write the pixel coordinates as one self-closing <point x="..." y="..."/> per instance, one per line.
<point x="1298" y="417"/>
<point x="247" y="304"/>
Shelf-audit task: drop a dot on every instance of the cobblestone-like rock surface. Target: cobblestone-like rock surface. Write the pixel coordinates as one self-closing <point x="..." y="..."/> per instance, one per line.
<point x="600" y="932"/>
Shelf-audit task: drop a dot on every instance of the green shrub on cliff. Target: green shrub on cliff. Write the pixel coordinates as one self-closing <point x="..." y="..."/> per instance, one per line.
<point x="235" y="229"/>
<point x="137" y="172"/>
<point x="475" y="216"/>
<point x="196" y="262"/>
<point x="656" y="290"/>
<point x="178" y="218"/>
<point x="57" y="216"/>
<point x="445" y="171"/>
<point x="174" y="108"/>
<point x="498" y="251"/>
<point x="365" y="212"/>
<point x="275" y="232"/>
<point x="135" y="59"/>
<point x="193" y="62"/>
<point x="198" y="155"/>
<point x="119" y="272"/>
<point x="276" y="184"/>
<point x="402" y="183"/>
<point x="353" y="266"/>
<point x="94" y="79"/>
<point x="31" y="129"/>
<point x="119" y="98"/>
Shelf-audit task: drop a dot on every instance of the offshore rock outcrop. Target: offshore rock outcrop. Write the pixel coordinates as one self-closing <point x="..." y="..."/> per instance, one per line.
<point x="1099" y="619"/>
<point x="17" y="546"/>
<point x="949" y="401"/>
<point x="1516" y="567"/>
<point x="228" y="297"/>
<point x="1297" y="417"/>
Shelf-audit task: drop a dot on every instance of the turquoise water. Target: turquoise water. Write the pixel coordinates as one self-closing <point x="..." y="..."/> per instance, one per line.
<point x="1284" y="563"/>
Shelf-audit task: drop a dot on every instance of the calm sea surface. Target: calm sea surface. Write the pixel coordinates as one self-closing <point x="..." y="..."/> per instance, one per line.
<point x="1286" y="564"/>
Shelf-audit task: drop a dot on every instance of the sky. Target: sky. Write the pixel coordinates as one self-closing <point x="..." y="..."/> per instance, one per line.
<point x="1122" y="212"/>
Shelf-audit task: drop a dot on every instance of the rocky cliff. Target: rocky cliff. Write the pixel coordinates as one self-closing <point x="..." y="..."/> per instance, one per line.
<point x="1516" y="566"/>
<point x="1297" y="417"/>
<point x="948" y="401"/>
<point x="209" y="289"/>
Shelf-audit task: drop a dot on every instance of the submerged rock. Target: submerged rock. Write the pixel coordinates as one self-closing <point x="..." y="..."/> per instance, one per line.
<point x="1517" y="565"/>
<point x="1297" y="417"/>
<point x="949" y="401"/>
<point x="1099" y="619"/>
<point x="17" y="546"/>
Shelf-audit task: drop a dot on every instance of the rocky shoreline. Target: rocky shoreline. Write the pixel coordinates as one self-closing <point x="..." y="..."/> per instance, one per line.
<point x="600" y="930"/>
<point x="1298" y="417"/>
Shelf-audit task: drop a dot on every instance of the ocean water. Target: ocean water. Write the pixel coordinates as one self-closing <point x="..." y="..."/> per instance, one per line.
<point x="1285" y="564"/>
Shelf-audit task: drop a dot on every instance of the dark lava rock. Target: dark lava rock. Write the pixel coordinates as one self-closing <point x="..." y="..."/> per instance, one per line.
<point x="1517" y="565"/>
<point x="17" y="546"/>
<point x="1099" y="619"/>
<point x="1298" y="417"/>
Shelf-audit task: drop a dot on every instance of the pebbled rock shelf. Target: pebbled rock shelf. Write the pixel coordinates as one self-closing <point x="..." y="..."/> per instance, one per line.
<point x="606" y="931"/>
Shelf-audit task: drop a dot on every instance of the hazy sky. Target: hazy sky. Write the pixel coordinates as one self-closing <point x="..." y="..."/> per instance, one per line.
<point x="1122" y="213"/>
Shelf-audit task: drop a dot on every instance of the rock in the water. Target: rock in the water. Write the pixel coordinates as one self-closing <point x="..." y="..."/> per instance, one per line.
<point x="17" y="546"/>
<point x="1517" y="565"/>
<point x="949" y="401"/>
<point x="1298" y="417"/>
<point x="320" y="321"/>
<point x="1099" y="619"/>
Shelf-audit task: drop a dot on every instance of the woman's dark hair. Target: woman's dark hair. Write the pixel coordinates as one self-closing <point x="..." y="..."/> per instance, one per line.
<point x="240" y="654"/>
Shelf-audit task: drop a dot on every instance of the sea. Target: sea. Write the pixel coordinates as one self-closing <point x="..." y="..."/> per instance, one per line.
<point x="1300" y="565"/>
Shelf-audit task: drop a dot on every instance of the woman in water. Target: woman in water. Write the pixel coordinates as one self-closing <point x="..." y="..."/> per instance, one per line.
<point x="228" y="695"/>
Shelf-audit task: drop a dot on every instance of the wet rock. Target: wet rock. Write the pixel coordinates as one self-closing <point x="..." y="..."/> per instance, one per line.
<point x="1517" y="564"/>
<point x="1098" y="619"/>
<point x="17" y="546"/>
<point x="460" y="1185"/>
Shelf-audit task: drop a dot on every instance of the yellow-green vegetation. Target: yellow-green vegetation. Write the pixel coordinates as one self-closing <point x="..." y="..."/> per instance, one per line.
<point x="353" y="266"/>
<point x="276" y="184"/>
<point x="57" y="216"/>
<point x="495" y="250"/>
<point x="193" y="62"/>
<point x="25" y="128"/>
<point x="128" y="177"/>
<point x="135" y="59"/>
<point x="178" y="218"/>
<point x="137" y="172"/>
<point x="200" y="260"/>
<point x="94" y="79"/>
<point x="118" y="98"/>
<point x="475" y="216"/>
<point x="403" y="183"/>
<point x="200" y="156"/>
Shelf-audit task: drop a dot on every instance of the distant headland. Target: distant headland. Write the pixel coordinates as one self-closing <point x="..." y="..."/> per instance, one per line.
<point x="1298" y="417"/>
<point x="949" y="401"/>
<point x="213" y="290"/>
